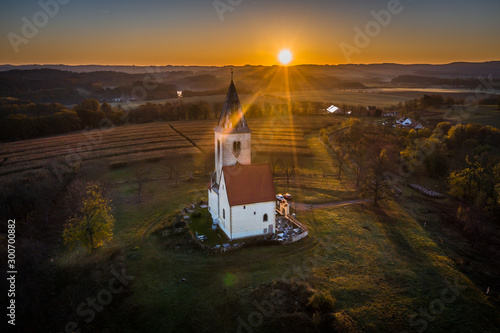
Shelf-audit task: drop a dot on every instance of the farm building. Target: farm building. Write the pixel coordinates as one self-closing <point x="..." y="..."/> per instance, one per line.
<point x="241" y="195"/>
<point x="408" y="123"/>
<point x="404" y="122"/>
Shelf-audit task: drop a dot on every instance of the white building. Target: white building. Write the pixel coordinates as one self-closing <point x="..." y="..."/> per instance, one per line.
<point x="404" y="122"/>
<point x="241" y="195"/>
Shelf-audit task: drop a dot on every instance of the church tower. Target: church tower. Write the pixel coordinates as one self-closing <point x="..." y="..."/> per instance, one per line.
<point x="241" y="195"/>
<point x="232" y="134"/>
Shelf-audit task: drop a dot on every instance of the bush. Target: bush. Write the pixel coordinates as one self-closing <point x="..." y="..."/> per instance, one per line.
<point x="344" y="323"/>
<point x="180" y="224"/>
<point x="321" y="303"/>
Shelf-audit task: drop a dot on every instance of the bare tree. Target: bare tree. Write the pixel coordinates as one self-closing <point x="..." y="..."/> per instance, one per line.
<point x="288" y="168"/>
<point x="168" y="167"/>
<point x="375" y="183"/>
<point x="341" y="158"/>
<point x="141" y="174"/>
<point x="176" y="170"/>
<point x="358" y="160"/>
<point x="275" y="162"/>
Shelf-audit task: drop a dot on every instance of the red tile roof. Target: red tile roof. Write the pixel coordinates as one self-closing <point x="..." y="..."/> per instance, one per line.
<point x="248" y="184"/>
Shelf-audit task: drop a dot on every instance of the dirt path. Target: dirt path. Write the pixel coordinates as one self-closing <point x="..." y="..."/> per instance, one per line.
<point x="303" y="207"/>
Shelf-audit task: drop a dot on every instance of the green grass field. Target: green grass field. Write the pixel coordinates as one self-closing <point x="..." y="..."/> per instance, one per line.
<point x="381" y="265"/>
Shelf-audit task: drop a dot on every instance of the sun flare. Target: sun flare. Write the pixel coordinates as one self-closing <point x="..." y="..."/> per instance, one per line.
<point x="285" y="57"/>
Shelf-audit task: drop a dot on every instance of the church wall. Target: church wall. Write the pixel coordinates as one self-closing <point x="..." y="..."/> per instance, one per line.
<point x="244" y="156"/>
<point x="226" y="156"/>
<point x="225" y="219"/>
<point x="246" y="223"/>
<point x="213" y="204"/>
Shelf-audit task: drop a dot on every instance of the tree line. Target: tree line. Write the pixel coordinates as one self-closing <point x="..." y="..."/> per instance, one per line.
<point x="430" y="101"/>
<point x="20" y="120"/>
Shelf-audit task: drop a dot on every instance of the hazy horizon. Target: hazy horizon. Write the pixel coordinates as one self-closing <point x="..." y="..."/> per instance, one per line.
<point x="252" y="65"/>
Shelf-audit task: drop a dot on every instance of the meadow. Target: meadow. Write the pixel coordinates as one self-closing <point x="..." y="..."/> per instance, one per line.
<point x="384" y="268"/>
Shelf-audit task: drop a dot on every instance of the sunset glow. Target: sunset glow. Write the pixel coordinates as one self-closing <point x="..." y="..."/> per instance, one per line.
<point x="177" y="33"/>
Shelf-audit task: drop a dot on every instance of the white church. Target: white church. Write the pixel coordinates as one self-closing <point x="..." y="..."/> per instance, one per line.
<point x="241" y="195"/>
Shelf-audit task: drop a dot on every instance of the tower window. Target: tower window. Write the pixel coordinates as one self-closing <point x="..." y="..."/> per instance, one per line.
<point x="223" y="213"/>
<point x="265" y="218"/>
<point x="218" y="148"/>
<point x="236" y="148"/>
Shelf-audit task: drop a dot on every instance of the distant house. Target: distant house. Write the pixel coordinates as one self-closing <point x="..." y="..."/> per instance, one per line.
<point x="416" y="126"/>
<point x="405" y="122"/>
<point x="408" y="123"/>
<point x="333" y="109"/>
<point x="390" y="114"/>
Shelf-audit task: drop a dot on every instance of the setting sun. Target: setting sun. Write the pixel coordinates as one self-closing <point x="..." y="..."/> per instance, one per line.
<point x="285" y="57"/>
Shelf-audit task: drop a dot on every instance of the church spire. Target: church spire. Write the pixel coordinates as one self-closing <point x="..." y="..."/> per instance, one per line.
<point x="232" y="118"/>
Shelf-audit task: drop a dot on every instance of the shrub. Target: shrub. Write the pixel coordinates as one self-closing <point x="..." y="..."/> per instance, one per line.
<point x="321" y="302"/>
<point x="344" y="323"/>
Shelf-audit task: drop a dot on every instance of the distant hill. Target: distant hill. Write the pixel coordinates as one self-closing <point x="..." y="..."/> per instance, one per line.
<point x="70" y="84"/>
<point x="455" y="69"/>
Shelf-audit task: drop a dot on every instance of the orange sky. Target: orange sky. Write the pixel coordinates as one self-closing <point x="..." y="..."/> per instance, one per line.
<point x="192" y="32"/>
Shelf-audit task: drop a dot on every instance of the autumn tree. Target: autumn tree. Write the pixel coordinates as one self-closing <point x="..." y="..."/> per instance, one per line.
<point x="107" y="109"/>
<point x="89" y="112"/>
<point x="477" y="183"/>
<point x="93" y="224"/>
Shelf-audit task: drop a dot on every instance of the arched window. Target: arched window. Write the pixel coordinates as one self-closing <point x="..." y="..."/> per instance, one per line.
<point x="236" y="147"/>
<point x="223" y="213"/>
<point x="218" y="148"/>
<point x="265" y="218"/>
